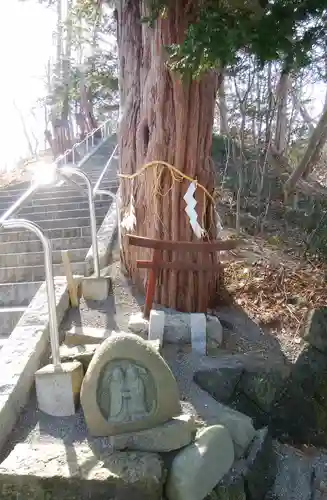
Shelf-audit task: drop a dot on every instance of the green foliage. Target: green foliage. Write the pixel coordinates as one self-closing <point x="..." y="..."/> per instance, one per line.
<point x="284" y="30"/>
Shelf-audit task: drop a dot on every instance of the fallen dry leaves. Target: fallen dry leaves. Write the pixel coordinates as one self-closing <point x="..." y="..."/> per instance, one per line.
<point x="277" y="296"/>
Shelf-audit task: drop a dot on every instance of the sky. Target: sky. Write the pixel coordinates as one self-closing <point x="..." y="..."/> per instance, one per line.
<point x="25" y="45"/>
<point x="26" y="42"/>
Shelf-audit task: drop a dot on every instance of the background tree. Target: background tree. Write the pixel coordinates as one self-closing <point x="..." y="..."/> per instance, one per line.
<point x="169" y="81"/>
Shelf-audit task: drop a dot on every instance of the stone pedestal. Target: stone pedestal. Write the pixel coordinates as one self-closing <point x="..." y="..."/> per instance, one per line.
<point x="156" y="326"/>
<point x="58" y="389"/>
<point x="96" y="288"/>
<point x="199" y="333"/>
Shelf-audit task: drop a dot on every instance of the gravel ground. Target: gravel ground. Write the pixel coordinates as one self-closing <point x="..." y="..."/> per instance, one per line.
<point x="241" y="335"/>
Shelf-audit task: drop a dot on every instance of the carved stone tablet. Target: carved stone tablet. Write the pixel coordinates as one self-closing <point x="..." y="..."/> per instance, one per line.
<point x="128" y="387"/>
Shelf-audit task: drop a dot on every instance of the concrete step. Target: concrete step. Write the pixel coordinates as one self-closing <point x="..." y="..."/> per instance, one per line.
<point x="64" y="214"/>
<point x="83" y="205"/>
<point x="35" y="245"/>
<point x="41" y="203"/>
<point x="19" y="294"/>
<point x="36" y="273"/>
<point x="67" y="223"/>
<point x="69" y="232"/>
<point x="9" y="317"/>
<point x="37" y="258"/>
<point x="64" y="192"/>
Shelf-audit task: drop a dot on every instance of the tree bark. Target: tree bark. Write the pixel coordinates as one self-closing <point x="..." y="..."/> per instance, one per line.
<point x="311" y="156"/>
<point x="164" y="118"/>
<point x="281" y="121"/>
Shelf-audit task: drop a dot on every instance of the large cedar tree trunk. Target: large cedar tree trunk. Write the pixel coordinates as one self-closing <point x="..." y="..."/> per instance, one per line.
<point x="163" y="118"/>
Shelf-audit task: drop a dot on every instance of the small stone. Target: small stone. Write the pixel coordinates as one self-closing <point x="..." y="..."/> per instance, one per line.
<point x="138" y="324"/>
<point x="294" y="475"/>
<point x="232" y="486"/>
<point x="81" y="353"/>
<point x="220" y="382"/>
<point x="173" y="435"/>
<point x="58" y="388"/>
<point x="128" y="387"/>
<point x="199" y="467"/>
<point x="79" y="335"/>
<point x="61" y="471"/>
<point x="315" y="329"/>
<point x="261" y="466"/>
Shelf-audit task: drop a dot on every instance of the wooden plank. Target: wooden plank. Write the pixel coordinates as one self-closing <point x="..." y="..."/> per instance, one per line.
<point x="151" y="287"/>
<point x="196" y="246"/>
<point x="72" y="288"/>
<point x="178" y="265"/>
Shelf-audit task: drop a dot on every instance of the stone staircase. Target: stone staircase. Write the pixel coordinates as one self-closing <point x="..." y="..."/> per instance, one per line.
<point x="62" y="211"/>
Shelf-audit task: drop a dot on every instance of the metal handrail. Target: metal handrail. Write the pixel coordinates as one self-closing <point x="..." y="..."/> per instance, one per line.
<point x="64" y="172"/>
<point x="101" y="176"/>
<point x="53" y="321"/>
<point x="91" y="135"/>
<point x="7" y="223"/>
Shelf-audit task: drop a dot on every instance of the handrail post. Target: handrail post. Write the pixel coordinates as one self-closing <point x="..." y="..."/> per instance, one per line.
<point x="48" y="265"/>
<point x="66" y="170"/>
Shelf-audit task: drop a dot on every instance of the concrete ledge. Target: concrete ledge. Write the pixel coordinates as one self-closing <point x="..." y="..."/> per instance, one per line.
<point x="22" y="353"/>
<point x="106" y="236"/>
<point x="49" y="471"/>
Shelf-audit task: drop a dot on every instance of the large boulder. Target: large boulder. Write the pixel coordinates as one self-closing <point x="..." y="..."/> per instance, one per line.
<point x="263" y="387"/>
<point x="220" y="381"/>
<point x="128" y="387"/>
<point x="198" y="468"/>
<point x="294" y="475"/>
<point x="315" y="329"/>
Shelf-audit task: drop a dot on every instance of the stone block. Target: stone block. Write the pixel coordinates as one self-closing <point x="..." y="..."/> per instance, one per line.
<point x="128" y="387"/>
<point x="68" y="472"/>
<point x="78" y="335"/>
<point x="173" y="435"/>
<point x="58" y="388"/>
<point x="198" y="333"/>
<point x="199" y="467"/>
<point x="138" y="324"/>
<point x="96" y="288"/>
<point x="156" y="325"/>
<point x="82" y="353"/>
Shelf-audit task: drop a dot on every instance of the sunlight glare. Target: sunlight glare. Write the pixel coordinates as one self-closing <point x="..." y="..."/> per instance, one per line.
<point x="44" y="173"/>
